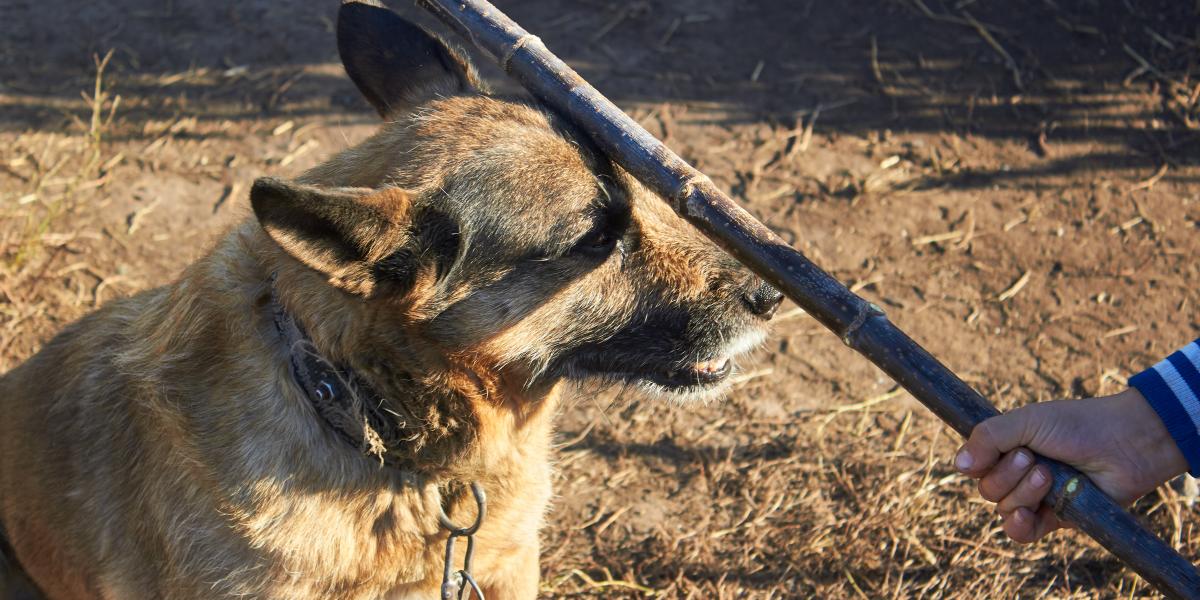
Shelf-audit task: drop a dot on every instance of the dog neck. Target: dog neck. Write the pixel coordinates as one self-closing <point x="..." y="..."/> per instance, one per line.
<point x="346" y="403"/>
<point x="396" y="397"/>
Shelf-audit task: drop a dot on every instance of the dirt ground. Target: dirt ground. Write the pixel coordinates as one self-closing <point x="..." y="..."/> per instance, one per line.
<point x="1017" y="183"/>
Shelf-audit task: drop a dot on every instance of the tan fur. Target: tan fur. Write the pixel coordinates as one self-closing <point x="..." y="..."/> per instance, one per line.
<point x="158" y="447"/>
<point x="161" y="447"/>
<point x="234" y="488"/>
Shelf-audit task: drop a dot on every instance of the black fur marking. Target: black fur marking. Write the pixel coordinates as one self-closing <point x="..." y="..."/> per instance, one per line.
<point x="435" y="237"/>
<point x="398" y="268"/>
<point x="392" y="61"/>
<point x="439" y="236"/>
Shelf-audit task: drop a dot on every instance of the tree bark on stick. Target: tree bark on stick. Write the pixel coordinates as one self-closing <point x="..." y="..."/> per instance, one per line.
<point x="860" y="324"/>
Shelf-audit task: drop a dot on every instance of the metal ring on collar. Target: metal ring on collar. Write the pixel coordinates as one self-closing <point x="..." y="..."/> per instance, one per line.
<point x="480" y="502"/>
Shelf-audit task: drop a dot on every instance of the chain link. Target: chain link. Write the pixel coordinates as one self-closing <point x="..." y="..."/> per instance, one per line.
<point x="457" y="583"/>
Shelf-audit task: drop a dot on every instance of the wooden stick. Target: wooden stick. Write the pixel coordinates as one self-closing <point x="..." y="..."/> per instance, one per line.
<point x="860" y="324"/>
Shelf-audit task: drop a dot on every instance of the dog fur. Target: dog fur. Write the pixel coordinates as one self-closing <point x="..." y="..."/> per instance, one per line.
<point x="469" y="261"/>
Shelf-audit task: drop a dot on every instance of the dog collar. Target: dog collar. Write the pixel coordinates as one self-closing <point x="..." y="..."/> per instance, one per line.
<point x="353" y="410"/>
<point x="343" y="400"/>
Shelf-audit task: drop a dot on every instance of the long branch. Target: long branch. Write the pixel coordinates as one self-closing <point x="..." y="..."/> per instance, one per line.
<point x="860" y="324"/>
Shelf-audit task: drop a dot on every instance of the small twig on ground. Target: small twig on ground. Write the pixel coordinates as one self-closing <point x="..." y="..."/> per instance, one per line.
<point x="863" y="283"/>
<point x="952" y="19"/>
<point x="744" y="377"/>
<point x="791" y="314"/>
<point x="107" y="282"/>
<point x="135" y="218"/>
<point x="610" y="25"/>
<point x="1149" y="182"/>
<point x="1120" y="331"/>
<point x="757" y="71"/>
<point x="613" y="583"/>
<point x="283" y="88"/>
<point x="578" y="438"/>
<point x="1145" y="64"/>
<point x="991" y="41"/>
<point x="666" y="38"/>
<point x="806" y="137"/>
<point x="608" y="521"/>
<point x="876" y="71"/>
<point x="1016" y="287"/>
<point x="937" y="237"/>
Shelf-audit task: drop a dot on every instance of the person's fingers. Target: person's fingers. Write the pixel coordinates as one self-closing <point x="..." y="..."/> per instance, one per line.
<point x="1020" y="525"/>
<point x="1025" y="526"/>
<point x="1006" y="475"/>
<point x="1028" y="493"/>
<point x="992" y="438"/>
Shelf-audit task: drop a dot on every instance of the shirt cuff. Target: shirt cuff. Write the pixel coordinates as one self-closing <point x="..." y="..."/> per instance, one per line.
<point x="1172" y="387"/>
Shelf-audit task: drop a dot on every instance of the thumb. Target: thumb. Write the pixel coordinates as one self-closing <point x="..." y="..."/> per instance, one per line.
<point x="994" y="437"/>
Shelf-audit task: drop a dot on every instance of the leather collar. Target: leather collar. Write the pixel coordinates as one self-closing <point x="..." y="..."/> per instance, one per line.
<point x="354" y="411"/>
<point x="345" y="402"/>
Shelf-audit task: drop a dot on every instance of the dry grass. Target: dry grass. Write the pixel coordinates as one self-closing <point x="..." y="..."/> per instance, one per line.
<point x="44" y="175"/>
<point x="843" y="503"/>
<point x="1040" y="240"/>
<point x="63" y="167"/>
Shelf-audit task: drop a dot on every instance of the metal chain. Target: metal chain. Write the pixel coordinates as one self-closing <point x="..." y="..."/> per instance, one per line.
<point x="457" y="583"/>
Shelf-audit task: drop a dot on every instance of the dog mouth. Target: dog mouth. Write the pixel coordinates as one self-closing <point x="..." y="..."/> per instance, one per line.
<point x="659" y="370"/>
<point x="698" y="374"/>
<point x="675" y="378"/>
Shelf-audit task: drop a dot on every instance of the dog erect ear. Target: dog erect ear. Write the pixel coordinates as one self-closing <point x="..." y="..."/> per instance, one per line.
<point x="355" y="236"/>
<point x="396" y="64"/>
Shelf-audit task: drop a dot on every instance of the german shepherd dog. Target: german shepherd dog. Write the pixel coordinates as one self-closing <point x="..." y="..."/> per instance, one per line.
<point x="291" y="416"/>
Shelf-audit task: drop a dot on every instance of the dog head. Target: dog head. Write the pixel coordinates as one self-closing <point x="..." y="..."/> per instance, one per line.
<point x="485" y="227"/>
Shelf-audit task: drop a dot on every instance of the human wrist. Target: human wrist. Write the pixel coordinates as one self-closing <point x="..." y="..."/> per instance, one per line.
<point x="1147" y="431"/>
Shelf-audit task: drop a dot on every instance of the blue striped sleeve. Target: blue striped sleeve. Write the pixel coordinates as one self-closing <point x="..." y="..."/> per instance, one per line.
<point x="1172" y="387"/>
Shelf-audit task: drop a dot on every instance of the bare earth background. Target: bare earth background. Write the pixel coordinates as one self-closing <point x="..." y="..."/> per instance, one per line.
<point x="1016" y="182"/>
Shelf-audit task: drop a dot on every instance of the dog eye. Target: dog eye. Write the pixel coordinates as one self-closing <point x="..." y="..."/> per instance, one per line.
<point x="596" y="243"/>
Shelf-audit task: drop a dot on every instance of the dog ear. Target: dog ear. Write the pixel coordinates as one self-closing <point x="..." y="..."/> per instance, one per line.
<point x="396" y="64"/>
<point x="356" y="237"/>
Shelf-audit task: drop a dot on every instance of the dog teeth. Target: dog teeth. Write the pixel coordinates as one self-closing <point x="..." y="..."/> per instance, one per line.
<point x="711" y="366"/>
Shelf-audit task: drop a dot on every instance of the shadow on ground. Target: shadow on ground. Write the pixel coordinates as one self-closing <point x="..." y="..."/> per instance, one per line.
<point x="1109" y="72"/>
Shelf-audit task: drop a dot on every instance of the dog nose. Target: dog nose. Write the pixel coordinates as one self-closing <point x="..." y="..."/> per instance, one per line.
<point x="763" y="300"/>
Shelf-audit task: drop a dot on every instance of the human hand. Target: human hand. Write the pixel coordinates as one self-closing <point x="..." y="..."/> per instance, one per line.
<point x="1118" y="441"/>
